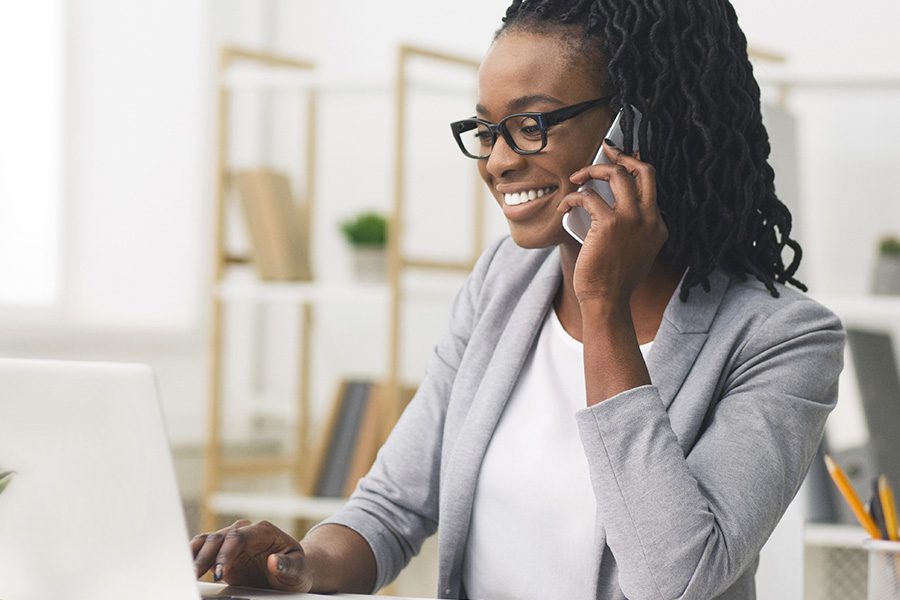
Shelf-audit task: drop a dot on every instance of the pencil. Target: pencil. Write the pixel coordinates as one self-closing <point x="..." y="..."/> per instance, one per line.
<point x="888" y="507"/>
<point x="876" y="511"/>
<point x="843" y="484"/>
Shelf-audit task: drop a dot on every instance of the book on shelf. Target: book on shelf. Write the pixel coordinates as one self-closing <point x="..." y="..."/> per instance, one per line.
<point x="278" y="228"/>
<point x="352" y="436"/>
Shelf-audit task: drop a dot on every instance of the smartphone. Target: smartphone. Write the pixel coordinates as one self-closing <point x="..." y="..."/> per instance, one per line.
<point x="577" y="221"/>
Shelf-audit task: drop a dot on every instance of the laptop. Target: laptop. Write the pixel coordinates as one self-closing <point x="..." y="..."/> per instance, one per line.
<point x="89" y="507"/>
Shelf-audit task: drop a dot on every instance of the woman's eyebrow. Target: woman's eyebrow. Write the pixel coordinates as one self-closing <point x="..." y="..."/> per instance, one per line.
<point x="522" y="102"/>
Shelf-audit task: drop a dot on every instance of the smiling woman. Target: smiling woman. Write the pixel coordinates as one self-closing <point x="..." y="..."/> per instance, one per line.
<point x="627" y="418"/>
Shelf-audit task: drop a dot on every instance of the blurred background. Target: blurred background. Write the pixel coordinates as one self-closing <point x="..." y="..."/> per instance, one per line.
<point x="181" y="184"/>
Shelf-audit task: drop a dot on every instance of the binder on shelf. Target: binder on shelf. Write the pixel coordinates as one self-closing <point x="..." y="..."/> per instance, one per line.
<point x="277" y="227"/>
<point x="352" y="437"/>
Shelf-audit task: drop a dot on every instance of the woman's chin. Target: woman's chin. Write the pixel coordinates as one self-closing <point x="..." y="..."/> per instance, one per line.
<point x="527" y="237"/>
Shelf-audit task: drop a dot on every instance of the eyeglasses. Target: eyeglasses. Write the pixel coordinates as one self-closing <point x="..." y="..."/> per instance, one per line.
<point x="525" y="133"/>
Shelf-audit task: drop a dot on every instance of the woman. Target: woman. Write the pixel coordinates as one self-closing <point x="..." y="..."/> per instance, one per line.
<point x="627" y="418"/>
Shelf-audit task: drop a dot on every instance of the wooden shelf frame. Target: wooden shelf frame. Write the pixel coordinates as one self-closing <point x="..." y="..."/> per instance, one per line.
<point x="216" y="467"/>
<point x="398" y="260"/>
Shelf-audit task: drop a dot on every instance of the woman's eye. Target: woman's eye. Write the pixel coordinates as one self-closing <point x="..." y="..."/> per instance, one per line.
<point x="484" y="137"/>
<point x="530" y="131"/>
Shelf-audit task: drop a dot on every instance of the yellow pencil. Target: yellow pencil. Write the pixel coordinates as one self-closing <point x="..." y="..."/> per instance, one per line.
<point x="847" y="491"/>
<point x="888" y="507"/>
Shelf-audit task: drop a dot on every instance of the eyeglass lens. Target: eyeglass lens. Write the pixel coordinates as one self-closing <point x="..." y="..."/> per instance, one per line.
<point x="525" y="132"/>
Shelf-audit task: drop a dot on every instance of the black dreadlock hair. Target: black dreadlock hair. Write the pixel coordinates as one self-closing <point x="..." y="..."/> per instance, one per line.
<point x="684" y="65"/>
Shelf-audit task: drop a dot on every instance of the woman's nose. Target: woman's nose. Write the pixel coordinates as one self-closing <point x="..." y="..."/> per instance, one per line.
<point x="503" y="159"/>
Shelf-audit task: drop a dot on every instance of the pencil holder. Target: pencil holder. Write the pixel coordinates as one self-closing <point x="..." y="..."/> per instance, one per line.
<point x="884" y="570"/>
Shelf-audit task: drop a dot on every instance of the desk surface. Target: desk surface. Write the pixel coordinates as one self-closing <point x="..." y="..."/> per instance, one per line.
<point x="214" y="589"/>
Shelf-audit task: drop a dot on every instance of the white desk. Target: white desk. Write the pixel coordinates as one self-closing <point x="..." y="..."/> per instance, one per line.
<point x="214" y="589"/>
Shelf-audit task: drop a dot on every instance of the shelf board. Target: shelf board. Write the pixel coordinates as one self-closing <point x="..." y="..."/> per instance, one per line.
<point x="312" y="292"/>
<point x="273" y="506"/>
<point x="862" y="310"/>
<point x="835" y="536"/>
<point x="828" y="81"/>
<point x="300" y="292"/>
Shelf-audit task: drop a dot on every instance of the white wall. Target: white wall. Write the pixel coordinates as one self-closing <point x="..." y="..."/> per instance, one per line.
<point x="138" y="163"/>
<point x="847" y="144"/>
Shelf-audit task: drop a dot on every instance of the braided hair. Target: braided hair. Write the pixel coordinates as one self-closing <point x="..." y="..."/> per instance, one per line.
<point x="684" y="65"/>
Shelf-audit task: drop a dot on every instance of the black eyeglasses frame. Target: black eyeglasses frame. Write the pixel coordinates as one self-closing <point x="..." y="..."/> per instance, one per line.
<point x="545" y="120"/>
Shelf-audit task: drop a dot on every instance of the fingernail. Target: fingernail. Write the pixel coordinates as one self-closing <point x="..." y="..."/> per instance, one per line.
<point x="610" y="143"/>
<point x="217" y="573"/>
<point x="282" y="564"/>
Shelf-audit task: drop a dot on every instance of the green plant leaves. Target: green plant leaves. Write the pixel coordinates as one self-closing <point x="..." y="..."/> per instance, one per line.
<point x="5" y="478"/>
<point x="366" y="229"/>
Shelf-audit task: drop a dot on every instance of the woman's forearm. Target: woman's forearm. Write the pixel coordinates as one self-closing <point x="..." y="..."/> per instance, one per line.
<point x="612" y="357"/>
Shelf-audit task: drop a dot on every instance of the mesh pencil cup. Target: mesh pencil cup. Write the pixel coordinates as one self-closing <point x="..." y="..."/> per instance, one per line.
<point x="884" y="569"/>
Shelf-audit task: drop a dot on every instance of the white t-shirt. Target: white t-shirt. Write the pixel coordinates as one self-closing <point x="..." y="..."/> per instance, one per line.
<point x="532" y="529"/>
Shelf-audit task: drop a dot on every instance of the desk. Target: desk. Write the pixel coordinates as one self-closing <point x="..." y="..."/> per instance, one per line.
<point x="214" y="589"/>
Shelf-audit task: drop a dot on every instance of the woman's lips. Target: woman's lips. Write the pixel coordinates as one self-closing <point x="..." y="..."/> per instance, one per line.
<point x="526" y="203"/>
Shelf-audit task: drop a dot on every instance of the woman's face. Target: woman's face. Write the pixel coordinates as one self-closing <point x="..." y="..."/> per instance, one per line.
<point x="526" y="72"/>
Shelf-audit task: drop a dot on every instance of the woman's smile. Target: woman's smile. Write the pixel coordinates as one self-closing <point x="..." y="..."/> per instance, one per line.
<point x="523" y="203"/>
<point x="526" y="195"/>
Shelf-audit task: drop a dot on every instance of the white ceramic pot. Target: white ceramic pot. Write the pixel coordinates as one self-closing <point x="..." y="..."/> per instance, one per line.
<point x="887" y="275"/>
<point x="370" y="263"/>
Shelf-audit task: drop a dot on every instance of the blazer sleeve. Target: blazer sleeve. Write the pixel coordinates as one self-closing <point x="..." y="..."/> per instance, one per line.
<point x="395" y="506"/>
<point x="687" y="527"/>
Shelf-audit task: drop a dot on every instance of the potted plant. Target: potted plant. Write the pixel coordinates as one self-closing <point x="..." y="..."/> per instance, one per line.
<point x="367" y="234"/>
<point x="887" y="267"/>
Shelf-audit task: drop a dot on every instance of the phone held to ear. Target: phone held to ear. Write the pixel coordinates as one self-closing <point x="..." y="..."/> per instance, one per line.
<point x="577" y="221"/>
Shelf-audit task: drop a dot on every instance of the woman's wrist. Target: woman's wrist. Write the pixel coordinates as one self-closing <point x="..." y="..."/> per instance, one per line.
<point x="338" y="559"/>
<point x="605" y="311"/>
<point x="311" y="560"/>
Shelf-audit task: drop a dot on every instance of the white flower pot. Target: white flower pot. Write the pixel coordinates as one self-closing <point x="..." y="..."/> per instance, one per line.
<point x="370" y="263"/>
<point x="887" y="275"/>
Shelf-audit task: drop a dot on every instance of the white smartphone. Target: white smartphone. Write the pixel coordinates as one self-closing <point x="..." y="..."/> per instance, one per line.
<point x="577" y="221"/>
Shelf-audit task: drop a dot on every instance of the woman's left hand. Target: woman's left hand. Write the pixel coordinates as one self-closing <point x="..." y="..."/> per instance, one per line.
<point x="624" y="239"/>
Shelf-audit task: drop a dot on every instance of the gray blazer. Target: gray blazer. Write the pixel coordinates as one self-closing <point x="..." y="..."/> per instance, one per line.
<point x="691" y="474"/>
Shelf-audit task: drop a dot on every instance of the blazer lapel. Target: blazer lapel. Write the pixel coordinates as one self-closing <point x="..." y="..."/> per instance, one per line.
<point x="490" y="399"/>
<point x="682" y="333"/>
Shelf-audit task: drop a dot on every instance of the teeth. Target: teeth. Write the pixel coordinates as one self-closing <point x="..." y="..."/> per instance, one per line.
<point x="525" y="196"/>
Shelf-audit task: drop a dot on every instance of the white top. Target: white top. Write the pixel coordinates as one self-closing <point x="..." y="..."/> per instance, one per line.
<point x="532" y="530"/>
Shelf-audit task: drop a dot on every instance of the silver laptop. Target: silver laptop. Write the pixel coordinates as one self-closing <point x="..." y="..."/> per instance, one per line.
<point x="89" y="507"/>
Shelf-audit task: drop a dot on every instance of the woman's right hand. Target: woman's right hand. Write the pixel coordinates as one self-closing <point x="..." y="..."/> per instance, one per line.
<point x="256" y="555"/>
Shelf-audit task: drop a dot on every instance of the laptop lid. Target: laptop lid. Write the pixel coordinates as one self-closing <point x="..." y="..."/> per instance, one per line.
<point x="91" y="510"/>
